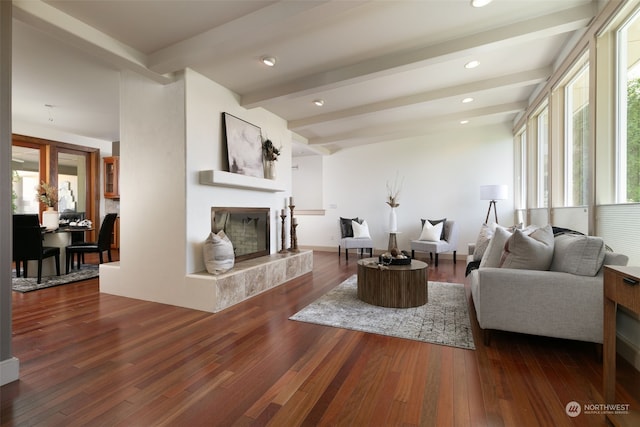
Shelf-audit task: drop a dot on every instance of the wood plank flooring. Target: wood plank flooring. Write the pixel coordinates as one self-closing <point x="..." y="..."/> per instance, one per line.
<point x="102" y="360"/>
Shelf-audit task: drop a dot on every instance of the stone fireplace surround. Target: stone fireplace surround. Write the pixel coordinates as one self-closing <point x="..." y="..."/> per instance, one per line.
<point x="251" y="277"/>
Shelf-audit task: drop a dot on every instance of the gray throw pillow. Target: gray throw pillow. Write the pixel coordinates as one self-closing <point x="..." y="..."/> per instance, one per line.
<point x="218" y="253"/>
<point x="533" y="252"/>
<point x="578" y="254"/>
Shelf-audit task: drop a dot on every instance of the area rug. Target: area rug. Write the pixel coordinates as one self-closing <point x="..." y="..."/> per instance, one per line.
<point x="443" y="320"/>
<point x="28" y="284"/>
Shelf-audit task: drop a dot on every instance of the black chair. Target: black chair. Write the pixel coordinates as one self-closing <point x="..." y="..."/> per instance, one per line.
<point x="103" y="243"/>
<point x="28" y="245"/>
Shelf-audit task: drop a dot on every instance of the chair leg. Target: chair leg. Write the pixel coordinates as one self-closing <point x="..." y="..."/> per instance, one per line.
<point x="57" y="265"/>
<point x="68" y="257"/>
<point x="39" y="271"/>
<point x="109" y="254"/>
<point x="371" y="252"/>
<point x="339" y="251"/>
<point x="454" y="257"/>
<point x="100" y="256"/>
<point x="436" y="259"/>
<point x="413" y="254"/>
<point x="346" y="253"/>
<point x="17" y="268"/>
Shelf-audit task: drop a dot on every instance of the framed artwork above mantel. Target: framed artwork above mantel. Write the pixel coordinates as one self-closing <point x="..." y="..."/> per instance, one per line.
<point x="244" y="146"/>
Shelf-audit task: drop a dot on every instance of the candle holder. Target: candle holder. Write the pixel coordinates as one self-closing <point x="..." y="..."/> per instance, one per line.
<point x="283" y="234"/>
<point x="292" y="231"/>
<point x="294" y="239"/>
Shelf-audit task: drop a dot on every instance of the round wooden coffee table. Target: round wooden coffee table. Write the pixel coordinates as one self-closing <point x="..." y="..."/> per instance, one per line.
<point x="398" y="286"/>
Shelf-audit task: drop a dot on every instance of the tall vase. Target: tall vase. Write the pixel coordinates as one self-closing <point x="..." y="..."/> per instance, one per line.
<point x="270" y="169"/>
<point x="50" y="219"/>
<point x="393" y="220"/>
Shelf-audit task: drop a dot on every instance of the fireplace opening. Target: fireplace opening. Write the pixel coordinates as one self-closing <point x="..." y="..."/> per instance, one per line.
<point x="247" y="228"/>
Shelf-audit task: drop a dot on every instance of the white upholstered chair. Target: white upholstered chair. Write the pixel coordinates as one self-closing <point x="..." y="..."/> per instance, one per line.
<point x="348" y="241"/>
<point x="448" y="244"/>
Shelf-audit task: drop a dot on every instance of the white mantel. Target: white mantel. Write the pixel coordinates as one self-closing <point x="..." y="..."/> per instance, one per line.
<point x="236" y="180"/>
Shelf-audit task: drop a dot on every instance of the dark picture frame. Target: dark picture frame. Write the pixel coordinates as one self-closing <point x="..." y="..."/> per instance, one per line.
<point x="244" y="146"/>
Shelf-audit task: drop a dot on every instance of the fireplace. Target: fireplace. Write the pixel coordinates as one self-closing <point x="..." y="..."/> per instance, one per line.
<point x="247" y="228"/>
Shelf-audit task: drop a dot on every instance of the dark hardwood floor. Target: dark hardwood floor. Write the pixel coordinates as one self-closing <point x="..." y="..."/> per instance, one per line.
<point x="102" y="360"/>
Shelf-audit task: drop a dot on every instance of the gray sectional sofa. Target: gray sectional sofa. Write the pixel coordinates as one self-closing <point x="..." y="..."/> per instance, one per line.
<point x="563" y="301"/>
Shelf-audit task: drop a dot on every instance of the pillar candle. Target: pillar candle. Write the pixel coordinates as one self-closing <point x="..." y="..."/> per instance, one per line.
<point x="283" y="213"/>
<point x="295" y="220"/>
<point x="291" y="201"/>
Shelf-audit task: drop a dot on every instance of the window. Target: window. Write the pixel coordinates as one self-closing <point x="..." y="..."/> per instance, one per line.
<point x="628" y="141"/>
<point x="542" y="121"/>
<point x="577" y="139"/>
<point x="521" y="172"/>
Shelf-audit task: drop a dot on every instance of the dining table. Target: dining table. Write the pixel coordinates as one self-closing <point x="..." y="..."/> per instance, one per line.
<point x="61" y="237"/>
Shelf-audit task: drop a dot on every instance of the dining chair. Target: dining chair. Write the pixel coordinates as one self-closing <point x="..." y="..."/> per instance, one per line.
<point x="28" y="244"/>
<point x="103" y="244"/>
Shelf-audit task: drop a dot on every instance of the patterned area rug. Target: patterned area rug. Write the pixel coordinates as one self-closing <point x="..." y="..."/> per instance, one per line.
<point x="443" y="320"/>
<point x="28" y="284"/>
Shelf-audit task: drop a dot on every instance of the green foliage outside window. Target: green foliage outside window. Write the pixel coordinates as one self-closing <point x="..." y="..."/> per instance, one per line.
<point x="633" y="141"/>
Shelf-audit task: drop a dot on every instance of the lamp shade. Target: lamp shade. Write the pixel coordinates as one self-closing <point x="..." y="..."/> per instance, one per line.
<point x="493" y="192"/>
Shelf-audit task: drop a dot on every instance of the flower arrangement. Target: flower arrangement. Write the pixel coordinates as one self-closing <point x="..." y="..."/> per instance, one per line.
<point x="269" y="151"/>
<point x="47" y="194"/>
<point x="393" y="191"/>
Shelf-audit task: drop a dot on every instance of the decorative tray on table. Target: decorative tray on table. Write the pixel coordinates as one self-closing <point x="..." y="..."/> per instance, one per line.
<point x="390" y="260"/>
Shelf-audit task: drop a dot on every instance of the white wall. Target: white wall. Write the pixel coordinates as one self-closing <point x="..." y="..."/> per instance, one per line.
<point x="152" y="193"/>
<point x="307" y="182"/>
<point x="442" y="177"/>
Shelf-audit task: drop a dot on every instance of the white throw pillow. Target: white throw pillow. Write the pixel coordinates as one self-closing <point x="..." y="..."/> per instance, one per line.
<point x="431" y="232"/>
<point x="493" y="254"/>
<point x="218" y="253"/>
<point x="360" y="231"/>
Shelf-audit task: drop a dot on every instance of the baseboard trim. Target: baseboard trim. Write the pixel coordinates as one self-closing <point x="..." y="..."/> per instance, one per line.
<point x="9" y="370"/>
<point x="628" y="351"/>
<point x="376" y="252"/>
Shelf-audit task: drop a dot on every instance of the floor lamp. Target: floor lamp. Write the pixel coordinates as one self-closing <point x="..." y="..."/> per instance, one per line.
<point x="493" y="193"/>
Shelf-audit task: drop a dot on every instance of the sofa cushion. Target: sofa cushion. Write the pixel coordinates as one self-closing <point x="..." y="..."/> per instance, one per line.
<point x="431" y="232"/>
<point x="345" y="226"/>
<point x="578" y="254"/>
<point x="492" y="255"/>
<point x="532" y="252"/>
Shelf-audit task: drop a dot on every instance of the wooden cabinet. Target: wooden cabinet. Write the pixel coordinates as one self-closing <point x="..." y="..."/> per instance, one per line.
<point x="621" y="287"/>
<point x="111" y="171"/>
<point x="115" y="236"/>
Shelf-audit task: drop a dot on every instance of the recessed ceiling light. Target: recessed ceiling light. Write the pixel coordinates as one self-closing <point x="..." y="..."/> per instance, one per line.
<point x="467" y="100"/>
<point x="319" y="102"/>
<point x="269" y="61"/>
<point x="472" y="64"/>
<point x="464" y="122"/>
<point x="480" y="3"/>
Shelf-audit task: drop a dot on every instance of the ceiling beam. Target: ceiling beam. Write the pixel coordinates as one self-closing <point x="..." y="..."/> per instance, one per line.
<point x="76" y="33"/>
<point x="413" y="128"/>
<point x="524" y="78"/>
<point x="543" y="26"/>
<point x="280" y="19"/>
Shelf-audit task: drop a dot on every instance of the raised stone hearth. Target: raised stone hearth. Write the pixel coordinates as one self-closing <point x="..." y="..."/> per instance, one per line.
<point x="253" y="276"/>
